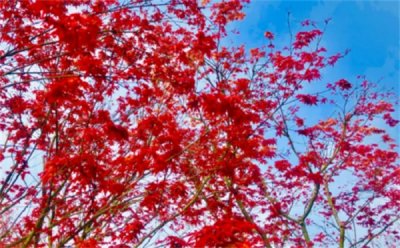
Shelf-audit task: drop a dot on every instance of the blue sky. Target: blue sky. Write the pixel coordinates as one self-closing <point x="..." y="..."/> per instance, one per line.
<point x="370" y="29"/>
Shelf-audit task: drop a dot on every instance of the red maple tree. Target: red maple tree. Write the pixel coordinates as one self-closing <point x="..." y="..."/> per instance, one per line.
<point x="128" y="123"/>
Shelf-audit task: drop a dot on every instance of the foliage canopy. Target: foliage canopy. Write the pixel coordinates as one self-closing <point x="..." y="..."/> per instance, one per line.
<point x="128" y="123"/>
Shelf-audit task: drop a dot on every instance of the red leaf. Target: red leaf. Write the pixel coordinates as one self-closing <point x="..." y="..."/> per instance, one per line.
<point x="343" y="84"/>
<point x="307" y="99"/>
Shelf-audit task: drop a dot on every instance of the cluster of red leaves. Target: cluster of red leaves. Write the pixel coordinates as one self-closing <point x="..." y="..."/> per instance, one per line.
<point x="226" y="232"/>
<point x="122" y="121"/>
<point x="303" y="39"/>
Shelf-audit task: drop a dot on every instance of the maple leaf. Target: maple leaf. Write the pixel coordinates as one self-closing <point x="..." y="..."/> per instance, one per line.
<point x="269" y="35"/>
<point x="343" y="84"/>
<point x="307" y="99"/>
